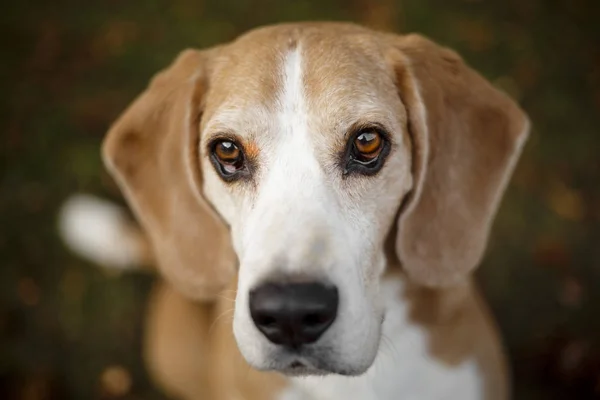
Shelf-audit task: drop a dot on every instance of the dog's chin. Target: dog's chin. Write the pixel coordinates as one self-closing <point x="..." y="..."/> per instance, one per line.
<point x="294" y="365"/>
<point x="298" y="369"/>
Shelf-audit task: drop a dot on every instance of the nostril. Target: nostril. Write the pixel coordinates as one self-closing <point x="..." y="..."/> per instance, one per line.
<point x="266" y="321"/>
<point x="313" y="320"/>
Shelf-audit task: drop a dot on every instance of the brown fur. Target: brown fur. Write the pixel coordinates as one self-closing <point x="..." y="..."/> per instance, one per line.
<point x="192" y="354"/>
<point x="149" y="149"/>
<point x="469" y="141"/>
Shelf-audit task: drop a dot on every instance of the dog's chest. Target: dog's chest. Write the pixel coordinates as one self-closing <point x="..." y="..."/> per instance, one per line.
<point x="403" y="368"/>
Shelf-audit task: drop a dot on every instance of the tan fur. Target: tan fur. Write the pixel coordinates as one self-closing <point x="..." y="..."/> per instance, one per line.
<point x="191" y="352"/>
<point x="466" y="144"/>
<point x="150" y="150"/>
<point x="465" y="138"/>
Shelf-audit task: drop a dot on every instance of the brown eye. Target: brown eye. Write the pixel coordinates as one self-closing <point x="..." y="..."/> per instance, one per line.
<point x="366" y="151"/>
<point x="229" y="156"/>
<point x="368" y="146"/>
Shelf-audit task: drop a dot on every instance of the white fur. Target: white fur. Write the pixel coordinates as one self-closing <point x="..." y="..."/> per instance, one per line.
<point x="97" y="230"/>
<point x="402" y="370"/>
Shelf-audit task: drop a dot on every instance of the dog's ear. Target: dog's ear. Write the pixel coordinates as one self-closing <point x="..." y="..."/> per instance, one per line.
<point x="152" y="152"/>
<point x="467" y="137"/>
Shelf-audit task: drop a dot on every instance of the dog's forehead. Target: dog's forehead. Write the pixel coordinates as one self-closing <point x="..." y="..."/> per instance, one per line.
<point x="343" y="72"/>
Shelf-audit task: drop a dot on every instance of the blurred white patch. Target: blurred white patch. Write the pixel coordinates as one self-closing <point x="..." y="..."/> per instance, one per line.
<point x="98" y="231"/>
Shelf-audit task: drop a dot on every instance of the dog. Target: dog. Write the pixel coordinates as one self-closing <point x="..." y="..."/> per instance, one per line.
<point x="314" y="197"/>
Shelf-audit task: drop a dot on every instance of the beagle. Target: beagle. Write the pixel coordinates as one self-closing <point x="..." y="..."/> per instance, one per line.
<point x="314" y="197"/>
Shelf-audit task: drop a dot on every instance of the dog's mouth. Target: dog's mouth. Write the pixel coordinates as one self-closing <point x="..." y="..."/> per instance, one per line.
<point x="299" y="368"/>
<point x="300" y="365"/>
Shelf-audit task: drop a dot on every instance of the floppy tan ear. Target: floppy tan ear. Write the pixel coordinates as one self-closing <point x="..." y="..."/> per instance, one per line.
<point x="152" y="152"/>
<point x="467" y="137"/>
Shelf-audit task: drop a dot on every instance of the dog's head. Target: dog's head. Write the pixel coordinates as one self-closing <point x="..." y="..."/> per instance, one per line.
<point x="294" y="152"/>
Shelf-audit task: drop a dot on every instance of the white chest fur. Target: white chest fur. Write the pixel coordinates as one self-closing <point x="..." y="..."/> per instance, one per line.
<point x="403" y="369"/>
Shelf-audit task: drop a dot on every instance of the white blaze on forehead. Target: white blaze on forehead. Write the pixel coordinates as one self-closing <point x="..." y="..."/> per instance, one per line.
<point x="294" y="156"/>
<point x="292" y="102"/>
<point x="294" y="172"/>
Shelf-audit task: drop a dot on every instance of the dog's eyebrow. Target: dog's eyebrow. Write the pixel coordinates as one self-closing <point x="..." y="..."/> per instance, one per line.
<point x="364" y="115"/>
<point x="235" y="121"/>
<point x="221" y="124"/>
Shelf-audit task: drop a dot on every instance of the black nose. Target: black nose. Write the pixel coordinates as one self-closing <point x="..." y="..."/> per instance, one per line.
<point x="293" y="314"/>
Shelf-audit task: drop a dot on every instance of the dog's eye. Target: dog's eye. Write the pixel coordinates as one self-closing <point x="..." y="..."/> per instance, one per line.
<point x="366" y="151"/>
<point x="368" y="146"/>
<point x="228" y="156"/>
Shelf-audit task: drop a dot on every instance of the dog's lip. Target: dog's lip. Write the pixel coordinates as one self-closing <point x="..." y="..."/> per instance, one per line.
<point x="299" y="368"/>
<point x="294" y="365"/>
<point x="309" y="361"/>
<point x="306" y="366"/>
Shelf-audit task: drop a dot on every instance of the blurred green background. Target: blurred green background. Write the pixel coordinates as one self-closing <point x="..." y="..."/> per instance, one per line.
<point x="69" y="331"/>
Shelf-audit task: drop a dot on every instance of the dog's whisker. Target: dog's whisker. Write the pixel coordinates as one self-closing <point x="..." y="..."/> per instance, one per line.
<point x="222" y="296"/>
<point x="229" y="311"/>
<point x="387" y="342"/>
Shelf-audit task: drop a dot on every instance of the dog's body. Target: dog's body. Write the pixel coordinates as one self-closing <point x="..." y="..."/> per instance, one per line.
<point x="358" y="173"/>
